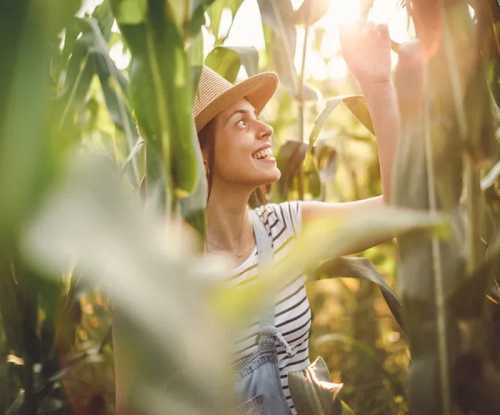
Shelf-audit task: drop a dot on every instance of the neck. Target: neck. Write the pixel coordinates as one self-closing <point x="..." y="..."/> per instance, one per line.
<point x="229" y="227"/>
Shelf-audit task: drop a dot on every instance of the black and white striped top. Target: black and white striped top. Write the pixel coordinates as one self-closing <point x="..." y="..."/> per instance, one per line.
<point x="292" y="312"/>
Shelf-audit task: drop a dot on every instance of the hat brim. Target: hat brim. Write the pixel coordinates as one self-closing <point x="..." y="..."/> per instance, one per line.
<point x="257" y="89"/>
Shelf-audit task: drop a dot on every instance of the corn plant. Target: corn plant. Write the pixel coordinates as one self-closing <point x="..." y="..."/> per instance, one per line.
<point x="449" y="288"/>
<point x="74" y="227"/>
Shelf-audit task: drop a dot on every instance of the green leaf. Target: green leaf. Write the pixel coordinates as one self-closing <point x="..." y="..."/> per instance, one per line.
<point x="162" y="93"/>
<point x="227" y="61"/>
<point x="321" y="119"/>
<point x="215" y="14"/>
<point x="331" y="239"/>
<point x="346" y="409"/>
<point x="193" y="207"/>
<point x="360" y="268"/>
<point x="114" y="87"/>
<point x="280" y="36"/>
<point x="313" y="391"/>
<point x="197" y="20"/>
<point x="131" y="11"/>
<point x="93" y="209"/>
<point x="355" y="103"/>
<point x="28" y="160"/>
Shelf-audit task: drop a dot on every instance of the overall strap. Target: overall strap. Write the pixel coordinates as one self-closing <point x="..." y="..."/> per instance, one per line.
<point x="265" y="257"/>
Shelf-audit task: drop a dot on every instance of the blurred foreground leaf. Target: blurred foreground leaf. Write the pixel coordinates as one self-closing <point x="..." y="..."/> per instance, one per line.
<point x="157" y="286"/>
<point x="330" y="240"/>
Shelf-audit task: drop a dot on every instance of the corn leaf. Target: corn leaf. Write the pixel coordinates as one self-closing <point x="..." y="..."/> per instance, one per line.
<point x="357" y="267"/>
<point x="227" y="61"/>
<point x="161" y="91"/>
<point x="331" y="240"/>
<point x="280" y="36"/>
<point x="215" y="14"/>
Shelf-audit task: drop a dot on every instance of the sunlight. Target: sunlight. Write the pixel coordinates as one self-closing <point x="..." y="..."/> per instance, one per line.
<point x="344" y="12"/>
<point x="326" y="62"/>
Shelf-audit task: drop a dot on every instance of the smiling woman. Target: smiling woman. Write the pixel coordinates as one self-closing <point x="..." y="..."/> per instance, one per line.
<point x="237" y="154"/>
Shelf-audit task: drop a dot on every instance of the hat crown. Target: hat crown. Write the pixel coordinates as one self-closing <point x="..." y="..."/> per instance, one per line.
<point x="210" y="86"/>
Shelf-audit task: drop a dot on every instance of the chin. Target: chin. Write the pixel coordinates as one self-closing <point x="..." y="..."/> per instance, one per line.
<point x="271" y="177"/>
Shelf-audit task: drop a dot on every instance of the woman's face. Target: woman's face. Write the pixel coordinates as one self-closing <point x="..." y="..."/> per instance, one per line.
<point x="243" y="152"/>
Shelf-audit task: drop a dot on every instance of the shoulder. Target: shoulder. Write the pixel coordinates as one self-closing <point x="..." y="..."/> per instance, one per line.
<point x="281" y="220"/>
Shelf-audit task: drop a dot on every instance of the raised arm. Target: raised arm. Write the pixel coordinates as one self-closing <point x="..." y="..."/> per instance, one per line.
<point x="366" y="49"/>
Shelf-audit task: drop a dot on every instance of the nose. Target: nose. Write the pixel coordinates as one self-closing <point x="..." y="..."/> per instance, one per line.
<point x="265" y="130"/>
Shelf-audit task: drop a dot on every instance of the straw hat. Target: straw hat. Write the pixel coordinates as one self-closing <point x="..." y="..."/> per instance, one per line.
<point x="215" y="94"/>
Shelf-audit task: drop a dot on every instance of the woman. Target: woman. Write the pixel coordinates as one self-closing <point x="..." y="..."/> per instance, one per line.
<point x="237" y="154"/>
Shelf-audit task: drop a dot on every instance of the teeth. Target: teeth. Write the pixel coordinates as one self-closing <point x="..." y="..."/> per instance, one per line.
<point x="262" y="154"/>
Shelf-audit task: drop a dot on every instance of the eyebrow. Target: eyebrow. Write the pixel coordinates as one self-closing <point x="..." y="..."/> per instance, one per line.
<point x="241" y="111"/>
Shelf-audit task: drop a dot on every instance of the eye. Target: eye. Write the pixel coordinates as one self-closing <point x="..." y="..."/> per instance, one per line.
<point x="241" y="124"/>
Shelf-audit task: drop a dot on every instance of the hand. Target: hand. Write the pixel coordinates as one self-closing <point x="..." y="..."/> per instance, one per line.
<point x="366" y="48"/>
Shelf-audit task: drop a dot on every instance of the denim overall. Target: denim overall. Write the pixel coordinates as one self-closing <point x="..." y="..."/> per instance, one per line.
<point x="258" y="383"/>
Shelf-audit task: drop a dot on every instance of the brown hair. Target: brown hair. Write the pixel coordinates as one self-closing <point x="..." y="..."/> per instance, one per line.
<point x="206" y="138"/>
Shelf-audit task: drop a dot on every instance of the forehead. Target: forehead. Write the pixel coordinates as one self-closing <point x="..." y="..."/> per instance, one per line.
<point x="241" y="105"/>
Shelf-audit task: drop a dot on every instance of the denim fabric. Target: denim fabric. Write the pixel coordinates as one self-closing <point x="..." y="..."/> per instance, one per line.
<point x="258" y="384"/>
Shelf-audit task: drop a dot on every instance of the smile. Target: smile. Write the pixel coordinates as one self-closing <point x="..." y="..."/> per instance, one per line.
<point x="266" y="155"/>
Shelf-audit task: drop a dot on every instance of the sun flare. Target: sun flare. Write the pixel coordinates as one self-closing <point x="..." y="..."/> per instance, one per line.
<point x="326" y="62"/>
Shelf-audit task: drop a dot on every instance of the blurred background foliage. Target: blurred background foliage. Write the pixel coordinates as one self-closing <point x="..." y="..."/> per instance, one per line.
<point x="115" y="79"/>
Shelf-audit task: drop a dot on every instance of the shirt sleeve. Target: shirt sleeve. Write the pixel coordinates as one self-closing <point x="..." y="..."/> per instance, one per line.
<point x="291" y="212"/>
<point x="295" y="214"/>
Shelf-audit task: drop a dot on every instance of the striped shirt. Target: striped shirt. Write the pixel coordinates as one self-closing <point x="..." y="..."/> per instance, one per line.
<point x="292" y="312"/>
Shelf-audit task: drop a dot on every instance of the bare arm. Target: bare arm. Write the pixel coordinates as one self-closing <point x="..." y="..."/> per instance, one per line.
<point x="367" y="52"/>
<point x="383" y="107"/>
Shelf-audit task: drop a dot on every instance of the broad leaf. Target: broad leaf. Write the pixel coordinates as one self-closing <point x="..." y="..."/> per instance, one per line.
<point x="331" y="240"/>
<point x="280" y="36"/>
<point x="215" y="14"/>
<point x="161" y="91"/>
<point x="357" y="267"/>
<point x="227" y="61"/>
<point x="132" y="11"/>
<point x="355" y="103"/>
